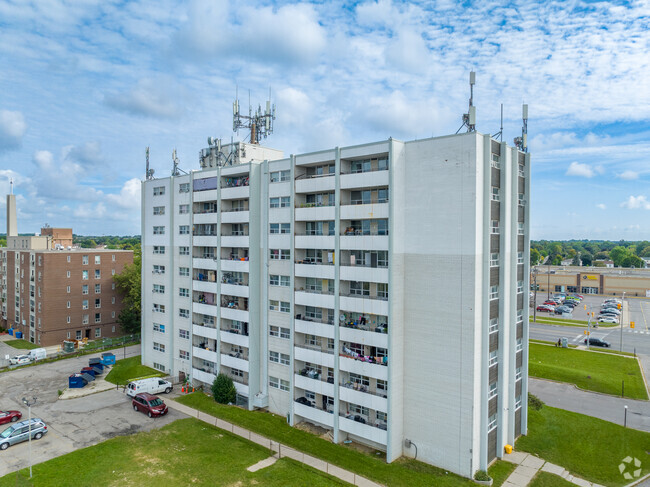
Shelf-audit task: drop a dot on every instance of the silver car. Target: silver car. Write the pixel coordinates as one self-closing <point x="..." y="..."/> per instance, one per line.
<point x="19" y="432"/>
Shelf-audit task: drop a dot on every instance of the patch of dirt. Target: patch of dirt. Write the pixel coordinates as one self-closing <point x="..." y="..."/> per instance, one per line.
<point x="315" y="430"/>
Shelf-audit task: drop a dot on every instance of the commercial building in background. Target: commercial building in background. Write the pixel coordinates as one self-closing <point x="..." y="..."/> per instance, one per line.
<point x="51" y="291"/>
<point x="612" y="281"/>
<point x="378" y="291"/>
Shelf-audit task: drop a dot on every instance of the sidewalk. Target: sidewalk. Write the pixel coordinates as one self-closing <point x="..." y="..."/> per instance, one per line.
<point x="529" y="465"/>
<point x="279" y="449"/>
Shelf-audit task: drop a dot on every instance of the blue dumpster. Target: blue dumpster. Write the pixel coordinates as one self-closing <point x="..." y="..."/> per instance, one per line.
<point x="19" y="334"/>
<point x="90" y="371"/>
<point x="97" y="363"/>
<point x="11" y="331"/>
<point x="108" y="358"/>
<point x="75" y="381"/>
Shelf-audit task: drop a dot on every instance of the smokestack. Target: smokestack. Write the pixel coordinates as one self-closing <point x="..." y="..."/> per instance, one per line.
<point x="12" y="229"/>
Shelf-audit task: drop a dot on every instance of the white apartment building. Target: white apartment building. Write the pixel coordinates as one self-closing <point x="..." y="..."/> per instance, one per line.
<point x="378" y="291"/>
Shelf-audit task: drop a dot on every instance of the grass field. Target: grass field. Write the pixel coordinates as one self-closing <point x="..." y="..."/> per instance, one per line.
<point x="588" y="447"/>
<point x="545" y="479"/>
<point x="405" y="472"/>
<point x="185" y="452"/>
<point x="500" y="471"/>
<point x="128" y="369"/>
<point x="21" y="344"/>
<point x="567" y="322"/>
<point x="591" y="371"/>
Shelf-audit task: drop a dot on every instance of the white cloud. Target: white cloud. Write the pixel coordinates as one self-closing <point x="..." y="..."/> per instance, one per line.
<point x="12" y="129"/>
<point x="629" y="175"/>
<point x="636" y="202"/>
<point x="129" y="196"/>
<point x="408" y="52"/>
<point x="149" y="98"/>
<point x="89" y="154"/>
<point x="579" y="169"/>
<point x="601" y="206"/>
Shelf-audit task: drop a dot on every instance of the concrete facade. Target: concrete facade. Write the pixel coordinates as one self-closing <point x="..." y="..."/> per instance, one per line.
<point x="376" y="291"/>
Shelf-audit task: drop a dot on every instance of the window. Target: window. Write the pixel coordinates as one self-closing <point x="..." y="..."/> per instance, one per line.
<point x="274" y="305"/>
<point x="184" y="188"/>
<point x="184" y="271"/>
<point x="237" y="372"/>
<point x="274" y="203"/>
<point x="285" y="281"/>
<point x="493" y="390"/>
<point x="183" y="292"/>
<point x="158" y="366"/>
<point x="86" y="301"/>
<point x="285" y="359"/>
<point x="158" y="210"/>
<point x="274" y="382"/>
<point x="84" y="320"/>
<point x="494" y="292"/>
<point x="520" y="199"/>
<point x="495" y="194"/>
<point x="359" y="288"/>
<point x="183" y="251"/>
<point x="84" y="304"/>
<point x="493" y="358"/>
<point x="517" y="402"/>
<point x="98" y="332"/>
<point x="84" y="289"/>
<point x="159" y="230"/>
<point x="280" y="176"/>
<point x="492" y="422"/>
<point x="520" y="345"/>
<point x="356" y="409"/>
<point x="285" y="333"/>
<point x="285" y="307"/>
<point x="183" y="355"/>
<point x="184" y="229"/>
<point x="98" y="317"/>
<point x="84" y="275"/>
<point x="113" y="316"/>
<point x="520" y="286"/>
<point x="158" y="288"/>
<point x="494" y="325"/>
<point x="284" y="385"/>
<point x="159" y="249"/>
<point x="520" y="228"/>
<point x="159" y="327"/>
<point x="521" y="171"/>
<point x="84" y="260"/>
<point x="274" y="331"/>
<point x="520" y="257"/>
<point x="274" y="228"/>
<point x="184" y="313"/>
<point x="517" y="373"/>
<point x="98" y="303"/>
<point x="113" y="257"/>
<point x="280" y="202"/>
<point x="495" y="161"/>
<point x="274" y="280"/>
<point x="68" y="261"/>
<point x="494" y="260"/>
<point x="158" y="269"/>
<point x="158" y="347"/>
<point x="280" y="254"/>
<point x="78" y="334"/>
<point x="382" y="290"/>
<point x="494" y="227"/>
<point x="274" y="357"/>
<point x="183" y="209"/>
<point x="158" y="190"/>
<point x="98" y="288"/>
<point x="158" y="308"/>
<point x="360" y="166"/>
<point x="382" y="385"/>
<point x="67" y="290"/>
<point x="98" y="274"/>
<point x="185" y="334"/>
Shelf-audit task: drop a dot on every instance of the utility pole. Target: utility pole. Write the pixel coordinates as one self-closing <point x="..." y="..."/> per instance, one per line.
<point x="535" y="291"/>
<point x="29" y="405"/>
<point x="622" y="315"/>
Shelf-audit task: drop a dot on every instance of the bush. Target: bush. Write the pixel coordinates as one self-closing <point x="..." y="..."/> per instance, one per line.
<point x="223" y="390"/>
<point x="482" y="475"/>
<point x="534" y="402"/>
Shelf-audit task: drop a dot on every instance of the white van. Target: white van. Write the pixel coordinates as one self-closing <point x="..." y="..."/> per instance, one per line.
<point x="38" y="354"/>
<point x="155" y="385"/>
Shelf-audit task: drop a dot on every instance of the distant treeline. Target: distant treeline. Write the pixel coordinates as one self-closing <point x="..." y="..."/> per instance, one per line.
<point x="623" y="253"/>
<point x="111" y="241"/>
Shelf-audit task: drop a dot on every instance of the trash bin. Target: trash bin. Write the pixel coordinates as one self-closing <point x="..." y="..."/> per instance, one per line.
<point x="565" y="342"/>
<point x="19" y="334"/>
<point x="68" y="347"/>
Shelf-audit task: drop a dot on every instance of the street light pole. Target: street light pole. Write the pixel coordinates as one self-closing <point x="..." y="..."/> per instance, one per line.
<point x="29" y="405"/>
<point x="622" y="315"/>
<point x="625" y="418"/>
<point x="548" y="282"/>
<point x="535" y="299"/>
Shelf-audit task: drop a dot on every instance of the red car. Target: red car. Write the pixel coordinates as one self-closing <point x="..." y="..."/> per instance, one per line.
<point x="545" y="307"/>
<point x="10" y="416"/>
<point x="551" y="302"/>
<point x="150" y="404"/>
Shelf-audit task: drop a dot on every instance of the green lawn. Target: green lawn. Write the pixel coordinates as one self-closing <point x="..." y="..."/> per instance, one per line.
<point x="405" y="472"/>
<point x="591" y="371"/>
<point x="186" y="452"/>
<point x="545" y="479"/>
<point x="128" y="369"/>
<point x="587" y="447"/>
<point x="500" y="471"/>
<point x="567" y="322"/>
<point x="22" y="344"/>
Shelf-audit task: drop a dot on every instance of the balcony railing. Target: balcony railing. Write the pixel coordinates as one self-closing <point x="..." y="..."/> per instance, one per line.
<point x="315" y="291"/>
<point x="233" y="305"/>
<point x="207" y="325"/>
<point x="361" y="388"/>
<point x="359" y="232"/>
<point x="235" y="182"/>
<point x="313" y="262"/>
<point x="363" y="358"/>
<point x="234" y="331"/>
<point x="360" y="418"/>
<point x="357" y="264"/>
<point x="314" y="320"/>
<point x="381" y="328"/>
<point x="315" y="348"/>
<point x="364" y="296"/>
<point x="230" y="210"/>
<point x="314" y="205"/>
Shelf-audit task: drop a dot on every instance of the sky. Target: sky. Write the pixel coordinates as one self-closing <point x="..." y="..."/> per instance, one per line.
<point x="86" y="86"/>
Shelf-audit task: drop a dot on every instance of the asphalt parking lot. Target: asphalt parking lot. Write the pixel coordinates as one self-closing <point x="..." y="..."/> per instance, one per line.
<point x="72" y="423"/>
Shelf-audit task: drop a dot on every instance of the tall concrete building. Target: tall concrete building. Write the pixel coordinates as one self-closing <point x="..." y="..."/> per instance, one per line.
<point x="378" y="291"/>
<point x="51" y="292"/>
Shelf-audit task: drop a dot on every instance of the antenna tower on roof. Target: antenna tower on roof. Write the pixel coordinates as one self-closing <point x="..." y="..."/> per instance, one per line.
<point x="149" y="172"/>
<point x="259" y="123"/>
<point x="469" y="118"/>
<point x="522" y="142"/>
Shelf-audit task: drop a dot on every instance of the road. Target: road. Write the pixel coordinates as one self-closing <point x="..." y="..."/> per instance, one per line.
<point x="73" y="423"/>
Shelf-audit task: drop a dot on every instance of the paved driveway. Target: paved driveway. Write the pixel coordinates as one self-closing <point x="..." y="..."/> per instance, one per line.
<point x="72" y="423"/>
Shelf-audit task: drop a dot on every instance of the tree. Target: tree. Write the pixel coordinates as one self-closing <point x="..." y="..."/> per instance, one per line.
<point x="617" y="254"/>
<point x="535" y="257"/>
<point x="633" y="261"/>
<point x="128" y="282"/>
<point x="223" y="389"/>
<point x="586" y="258"/>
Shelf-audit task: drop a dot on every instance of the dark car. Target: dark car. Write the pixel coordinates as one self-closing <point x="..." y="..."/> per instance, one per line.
<point x="597" y="341"/>
<point x="563" y="309"/>
<point x="10" y="416"/>
<point x="571" y="303"/>
<point x="304" y="400"/>
<point x="150" y="404"/>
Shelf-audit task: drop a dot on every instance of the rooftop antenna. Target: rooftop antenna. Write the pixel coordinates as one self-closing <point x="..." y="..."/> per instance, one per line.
<point x="149" y="172"/>
<point x="522" y="142"/>
<point x="469" y="118"/>
<point x="11" y="186"/>
<point x="259" y="123"/>
<point x="176" y="171"/>
<point x="499" y="134"/>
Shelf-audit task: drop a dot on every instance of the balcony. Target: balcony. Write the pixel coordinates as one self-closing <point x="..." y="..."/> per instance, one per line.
<point x="204" y="354"/>
<point x="316" y="299"/>
<point x="314" y="328"/>
<point x="364" y="179"/>
<point x="314" y="355"/>
<point x="204" y="286"/>
<point x="242" y="389"/>
<point x="210" y="218"/>
<point x="205" y="240"/>
<point x="204" y="263"/>
<point x="204" y="309"/>
<point x="315" y="213"/>
<point x="235" y="216"/>
<point x="363" y="273"/>
<point x="313" y="414"/>
<point x="234" y="314"/>
<point x="366" y="398"/>
<point x="318" y="386"/>
<point x="365" y="211"/>
<point x="234" y="362"/>
<point x="235" y="193"/>
<point x="364" y="304"/>
<point x="314" y="241"/>
<point x="236" y="241"/>
<point x="203" y="375"/>
<point x="234" y="338"/>
<point x="205" y="331"/>
<point x="375" y="338"/>
<point x="317" y="270"/>
<point x="368" y="432"/>
<point x="239" y="290"/>
<point x="369" y="369"/>
<point x="316" y="184"/>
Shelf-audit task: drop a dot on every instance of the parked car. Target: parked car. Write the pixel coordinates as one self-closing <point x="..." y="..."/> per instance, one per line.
<point x="152" y="385"/>
<point x="570" y="303"/>
<point x="611" y="311"/>
<point x="607" y="319"/>
<point x="20" y="360"/>
<point x="545" y="307"/>
<point x="19" y="432"/>
<point x="150" y="404"/>
<point x="597" y="341"/>
<point x="563" y="309"/>
<point x="552" y="302"/>
<point x="37" y="354"/>
<point x="10" y="416"/>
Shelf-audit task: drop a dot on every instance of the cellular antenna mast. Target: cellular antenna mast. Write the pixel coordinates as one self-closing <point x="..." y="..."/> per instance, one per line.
<point x="499" y="134"/>
<point x="522" y="142"/>
<point x="149" y="172"/>
<point x="259" y="123"/>
<point x="176" y="171"/>
<point x="469" y="118"/>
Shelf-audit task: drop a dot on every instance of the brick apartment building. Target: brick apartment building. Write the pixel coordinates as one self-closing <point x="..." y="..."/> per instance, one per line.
<point x="51" y="292"/>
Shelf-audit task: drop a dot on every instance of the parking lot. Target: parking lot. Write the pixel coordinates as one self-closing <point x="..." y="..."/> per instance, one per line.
<point x="72" y="423"/>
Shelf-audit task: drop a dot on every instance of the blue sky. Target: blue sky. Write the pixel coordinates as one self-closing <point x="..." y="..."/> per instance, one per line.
<point x="86" y="86"/>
